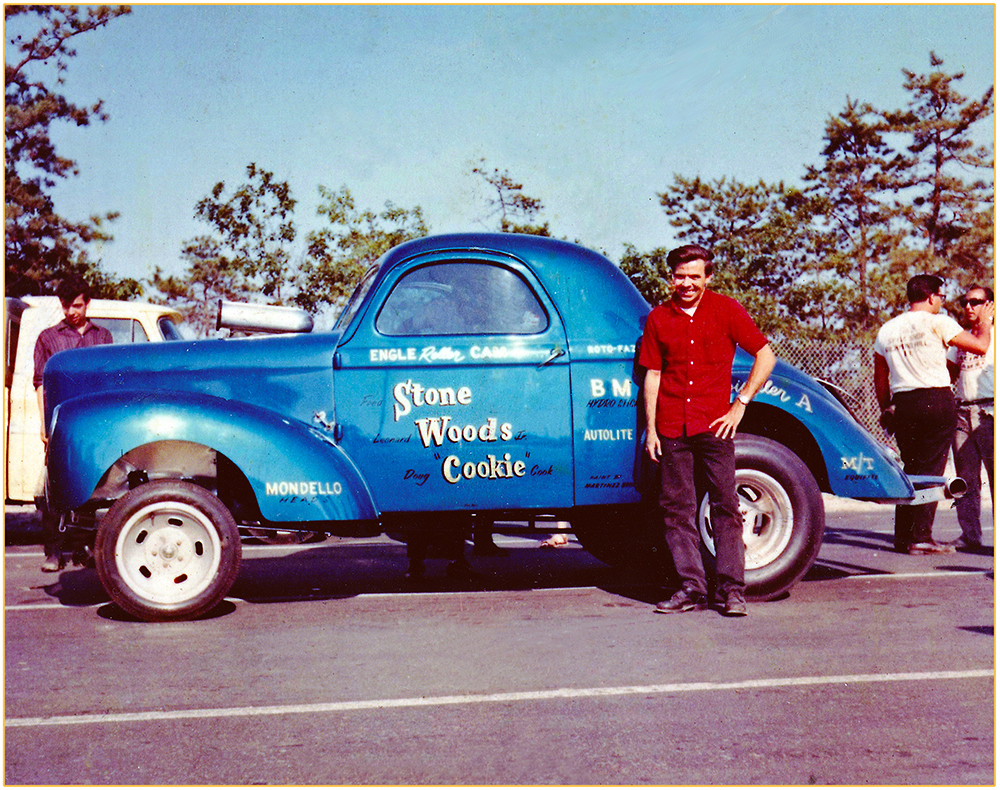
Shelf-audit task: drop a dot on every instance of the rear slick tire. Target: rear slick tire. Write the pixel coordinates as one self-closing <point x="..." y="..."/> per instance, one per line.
<point x="783" y="516"/>
<point x="167" y="550"/>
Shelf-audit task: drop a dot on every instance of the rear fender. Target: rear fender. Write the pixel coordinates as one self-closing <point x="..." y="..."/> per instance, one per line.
<point x="297" y="472"/>
<point x="857" y="466"/>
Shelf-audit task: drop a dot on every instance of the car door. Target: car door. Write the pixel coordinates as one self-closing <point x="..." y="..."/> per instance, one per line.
<point x="453" y="393"/>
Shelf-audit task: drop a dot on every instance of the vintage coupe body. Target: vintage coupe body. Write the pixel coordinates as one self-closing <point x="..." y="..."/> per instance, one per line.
<point x="485" y="376"/>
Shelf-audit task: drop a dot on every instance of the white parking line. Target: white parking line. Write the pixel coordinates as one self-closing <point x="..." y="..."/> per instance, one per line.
<point x="473" y="699"/>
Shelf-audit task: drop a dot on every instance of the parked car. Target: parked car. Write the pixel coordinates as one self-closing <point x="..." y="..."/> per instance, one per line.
<point x="469" y="375"/>
<point x="128" y="322"/>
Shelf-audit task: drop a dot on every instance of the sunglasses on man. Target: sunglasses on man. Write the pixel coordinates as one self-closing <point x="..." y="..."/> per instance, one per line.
<point x="972" y="302"/>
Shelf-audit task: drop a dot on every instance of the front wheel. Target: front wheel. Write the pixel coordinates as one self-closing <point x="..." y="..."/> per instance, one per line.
<point x="783" y="516"/>
<point x="167" y="550"/>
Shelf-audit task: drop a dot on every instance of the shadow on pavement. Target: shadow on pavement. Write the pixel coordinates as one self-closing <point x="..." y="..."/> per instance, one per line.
<point x="22" y="527"/>
<point x="329" y="572"/>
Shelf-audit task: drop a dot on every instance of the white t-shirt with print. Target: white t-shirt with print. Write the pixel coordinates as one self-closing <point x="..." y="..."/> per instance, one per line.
<point x="915" y="346"/>
<point x="975" y="374"/>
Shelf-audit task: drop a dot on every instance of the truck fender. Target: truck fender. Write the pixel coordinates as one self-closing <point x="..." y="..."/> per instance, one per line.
<point x="297" y="471"/>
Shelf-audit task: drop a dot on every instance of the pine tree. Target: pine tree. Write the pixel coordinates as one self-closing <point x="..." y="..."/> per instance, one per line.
<point x="949" y="179"/>
<point x="854" y="187"/>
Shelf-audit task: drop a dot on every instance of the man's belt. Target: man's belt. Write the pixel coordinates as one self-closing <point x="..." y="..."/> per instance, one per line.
<point x="978" y="402"/>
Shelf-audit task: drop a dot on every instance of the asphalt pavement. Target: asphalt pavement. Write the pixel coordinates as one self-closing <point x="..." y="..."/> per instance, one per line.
<point x="326" y="667"/>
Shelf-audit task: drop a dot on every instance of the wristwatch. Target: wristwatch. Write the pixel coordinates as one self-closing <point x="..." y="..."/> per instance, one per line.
<point x="744" y="399"/>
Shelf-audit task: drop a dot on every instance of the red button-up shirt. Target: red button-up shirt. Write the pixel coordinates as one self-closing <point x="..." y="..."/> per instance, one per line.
<point x="694" y="355"/>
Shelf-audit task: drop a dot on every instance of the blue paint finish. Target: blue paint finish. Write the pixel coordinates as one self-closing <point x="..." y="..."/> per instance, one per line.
<point x="549" y="418"/>
<point x="857" y="466"/>
<point x="296" y="471"/>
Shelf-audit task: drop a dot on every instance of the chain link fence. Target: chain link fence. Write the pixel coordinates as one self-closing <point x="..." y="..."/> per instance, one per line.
<point x="848" y="365"/>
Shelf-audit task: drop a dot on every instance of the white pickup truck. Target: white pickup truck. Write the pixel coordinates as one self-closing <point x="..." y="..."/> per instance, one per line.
<point x="25" y="318"/>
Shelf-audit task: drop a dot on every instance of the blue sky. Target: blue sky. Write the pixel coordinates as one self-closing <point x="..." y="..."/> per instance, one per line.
<point x="593" y="107"/>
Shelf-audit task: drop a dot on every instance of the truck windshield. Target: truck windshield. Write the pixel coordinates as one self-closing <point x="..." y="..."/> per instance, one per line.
<point x="169" y="329"/>
<point x="357" y="298"/>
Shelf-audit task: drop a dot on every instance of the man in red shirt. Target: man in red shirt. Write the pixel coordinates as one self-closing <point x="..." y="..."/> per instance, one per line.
<point x="687" y="350"/>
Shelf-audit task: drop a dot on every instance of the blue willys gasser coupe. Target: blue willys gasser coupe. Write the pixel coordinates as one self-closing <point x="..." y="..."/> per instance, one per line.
<point x="485" y="375"/>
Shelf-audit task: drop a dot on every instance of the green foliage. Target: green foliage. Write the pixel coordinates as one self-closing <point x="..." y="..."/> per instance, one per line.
<point x="41" y="246"/>
<point x="210" y="277"/>
<point x="244" y="255"/>
<point x="253" y="227"/>
<point x="855" y="213"/>
<point x="948" y="213"/>
<point x="340" y="253"/>
<point x="514" y="211"/>
<point x="757" y="234"/>
<point x="891" y="198"/>
<point x="648" y="272"/>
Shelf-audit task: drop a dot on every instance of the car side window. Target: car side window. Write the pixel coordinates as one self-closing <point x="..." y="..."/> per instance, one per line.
<point x="123" y="330"/>
<point x="462" y="299"/>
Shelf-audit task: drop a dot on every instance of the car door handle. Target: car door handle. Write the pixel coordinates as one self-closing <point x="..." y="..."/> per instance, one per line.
<point x="554" y="354"/>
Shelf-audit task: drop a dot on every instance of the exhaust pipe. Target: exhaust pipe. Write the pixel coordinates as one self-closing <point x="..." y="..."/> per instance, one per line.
<point x="929" y="488"/>
<point x="956" y="488"/>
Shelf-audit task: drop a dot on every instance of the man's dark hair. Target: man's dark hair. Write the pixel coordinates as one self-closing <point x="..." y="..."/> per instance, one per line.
<point x="984" y="288"/>
<point x="688" y="253"/>
<point x="72" y="287"/>
<point x="920" y="287"/>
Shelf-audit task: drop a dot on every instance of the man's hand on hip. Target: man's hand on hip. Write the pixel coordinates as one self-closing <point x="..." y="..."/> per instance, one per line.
<point x="725" y="427"/>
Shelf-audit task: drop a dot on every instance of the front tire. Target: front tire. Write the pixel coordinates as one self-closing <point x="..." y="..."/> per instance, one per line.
<point x="167" y="550"/>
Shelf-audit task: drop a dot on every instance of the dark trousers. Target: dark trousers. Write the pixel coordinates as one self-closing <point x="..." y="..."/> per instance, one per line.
<point x="690" y="463"/>
<point x="53" y="541"/>
<point x="925" y="426"/>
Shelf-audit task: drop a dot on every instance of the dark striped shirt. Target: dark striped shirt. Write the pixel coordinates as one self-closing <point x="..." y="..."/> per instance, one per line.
<point x="61" y="337"/>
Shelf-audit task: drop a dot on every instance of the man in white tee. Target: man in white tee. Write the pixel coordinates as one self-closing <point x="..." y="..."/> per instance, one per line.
<point x="912" y="385"/>
<point x="973" y="377"/>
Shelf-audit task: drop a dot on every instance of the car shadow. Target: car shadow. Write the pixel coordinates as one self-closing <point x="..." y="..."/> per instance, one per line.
<point x="331" y="572"/>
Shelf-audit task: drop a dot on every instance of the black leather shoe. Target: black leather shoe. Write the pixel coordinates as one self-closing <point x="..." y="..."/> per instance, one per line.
<point x="681" y="601"/>
<point x="735" y="604"/>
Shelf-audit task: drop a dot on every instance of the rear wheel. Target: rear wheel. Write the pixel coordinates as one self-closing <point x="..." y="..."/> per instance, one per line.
<point x="783" y="523"/>
<point x="167" y="550"/>
<point x="783" y="516"/>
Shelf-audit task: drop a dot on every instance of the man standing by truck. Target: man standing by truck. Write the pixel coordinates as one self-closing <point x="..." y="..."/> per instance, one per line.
<point x="74" y="331"/>
<point x="688" y="347"/>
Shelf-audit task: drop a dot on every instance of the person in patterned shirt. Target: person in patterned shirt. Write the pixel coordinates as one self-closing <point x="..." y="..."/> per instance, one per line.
<point x="74" y="331"/>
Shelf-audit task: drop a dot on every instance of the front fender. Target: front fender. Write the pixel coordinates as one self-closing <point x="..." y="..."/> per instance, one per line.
<point x="297" y="472"/>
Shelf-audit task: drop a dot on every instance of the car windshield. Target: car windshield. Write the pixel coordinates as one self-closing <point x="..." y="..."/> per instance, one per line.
<point x="348" y="313"/>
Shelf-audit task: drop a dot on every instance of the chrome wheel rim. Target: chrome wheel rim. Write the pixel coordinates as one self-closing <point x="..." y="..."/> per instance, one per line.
<point x="768" y="518"/>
